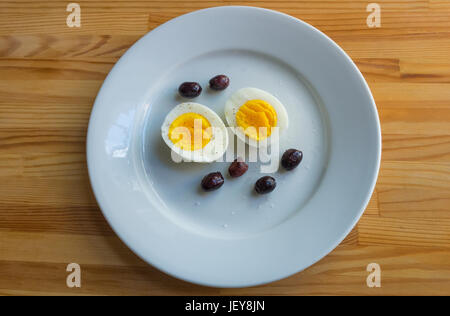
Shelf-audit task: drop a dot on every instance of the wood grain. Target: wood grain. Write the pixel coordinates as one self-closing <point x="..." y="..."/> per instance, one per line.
<point x="50" y="75"/>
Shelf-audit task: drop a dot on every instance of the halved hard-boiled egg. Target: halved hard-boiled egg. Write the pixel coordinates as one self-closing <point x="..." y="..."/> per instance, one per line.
<point x="256" y="116"/>
<point x="195" y="132"/>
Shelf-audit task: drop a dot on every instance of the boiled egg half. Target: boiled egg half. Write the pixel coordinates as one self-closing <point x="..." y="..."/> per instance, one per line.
<point x="256" y="116"/>
<point x="195" y="132"/>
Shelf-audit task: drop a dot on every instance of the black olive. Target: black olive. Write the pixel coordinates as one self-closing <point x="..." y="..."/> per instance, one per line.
<point x="190" y="89"/>
<point x="237" y="168"/>
<point x="212" y="181"/>
<point x="219" y="82"/>
<point x="291" y="159"/>
<point x="265" y="185"/>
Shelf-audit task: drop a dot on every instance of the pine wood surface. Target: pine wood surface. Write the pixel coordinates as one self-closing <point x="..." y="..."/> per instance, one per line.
<point x="50" y="75"/>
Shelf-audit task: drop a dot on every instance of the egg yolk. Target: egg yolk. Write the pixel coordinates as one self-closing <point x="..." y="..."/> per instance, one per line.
<point x="190" y="131"/>
<point x="256" y="117"/>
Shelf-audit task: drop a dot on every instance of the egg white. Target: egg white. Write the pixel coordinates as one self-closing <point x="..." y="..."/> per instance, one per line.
<point x="218" y="143"/>
<point x="242" y="96"/>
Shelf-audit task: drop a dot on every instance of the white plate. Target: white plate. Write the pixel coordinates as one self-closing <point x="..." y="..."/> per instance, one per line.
<point x="232" y="237"/>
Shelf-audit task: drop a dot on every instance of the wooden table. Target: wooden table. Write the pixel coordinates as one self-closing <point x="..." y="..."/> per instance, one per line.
<point x="50" y="75"/>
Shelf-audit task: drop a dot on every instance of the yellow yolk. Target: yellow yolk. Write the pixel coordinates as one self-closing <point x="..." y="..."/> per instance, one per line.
<point x="190" y="131"/>
<point x="255" y="114"/>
